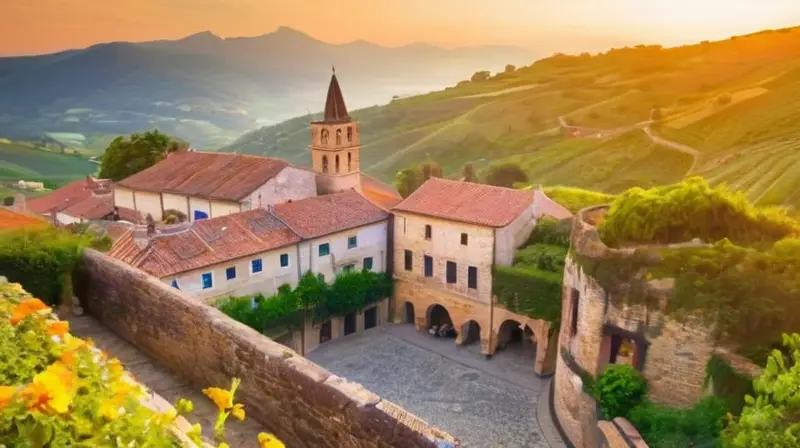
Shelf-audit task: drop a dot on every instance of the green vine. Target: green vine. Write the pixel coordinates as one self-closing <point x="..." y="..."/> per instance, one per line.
<point x="728" y="384"/>
<point x="529" y="291"/>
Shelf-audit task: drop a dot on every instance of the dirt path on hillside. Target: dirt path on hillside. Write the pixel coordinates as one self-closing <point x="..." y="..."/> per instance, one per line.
<point x="675" y="146"/>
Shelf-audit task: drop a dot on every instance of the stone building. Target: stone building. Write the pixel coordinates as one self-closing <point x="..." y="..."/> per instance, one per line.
<point x="209" y="185"/>
<point x="595" y="332"/>
<point x="448" y="236"/>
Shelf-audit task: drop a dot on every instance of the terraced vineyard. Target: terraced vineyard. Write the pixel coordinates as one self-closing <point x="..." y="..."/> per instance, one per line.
<point x="729" y="110"/>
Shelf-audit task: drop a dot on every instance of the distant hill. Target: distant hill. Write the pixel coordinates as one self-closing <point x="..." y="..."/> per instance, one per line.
<point x="730" y="111"/>
<point x="31" y="162"/>
<point x="209" y="90"/>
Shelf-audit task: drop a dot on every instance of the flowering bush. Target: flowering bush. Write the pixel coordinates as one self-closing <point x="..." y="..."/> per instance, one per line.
<point x="58" y="390"/>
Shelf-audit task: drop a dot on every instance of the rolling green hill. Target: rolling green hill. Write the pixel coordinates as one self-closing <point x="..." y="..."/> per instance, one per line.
<point x="730" y="111"/>
<point x="26" y="161"/>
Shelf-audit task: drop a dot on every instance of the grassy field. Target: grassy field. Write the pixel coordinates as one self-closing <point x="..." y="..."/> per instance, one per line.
<point x="735" y="102"/>
<point x="22" y="161"/>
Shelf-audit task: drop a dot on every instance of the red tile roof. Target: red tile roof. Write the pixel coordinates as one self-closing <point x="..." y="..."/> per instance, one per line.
<point x="204" y="243"/>
<point x="380" y="194"/>
<point x="473" y="203"/>
<point x="322" y="215"/>
<point x="549" y="207"/>
<point x="68" y="195"/>
<point x="228" y="177"/>
<point x="13" y="220"/>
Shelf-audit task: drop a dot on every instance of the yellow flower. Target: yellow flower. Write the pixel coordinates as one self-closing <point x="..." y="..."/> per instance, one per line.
<point x="221" y="397"/>
<point x="224" y="445"/>
<point x="110" y="409"/>
<point x="58" y="328"/>
<point x="51" y="391"/>
<point x="238" y="411"/>
<point x="269" y="441"/>
<point x="6" y="394"/>
<point x="26" y="308"/>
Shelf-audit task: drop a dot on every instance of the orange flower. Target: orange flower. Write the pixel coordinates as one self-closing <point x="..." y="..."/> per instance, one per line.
<point x="51" y="391"/>
<point x="25" y="308"/>
<point x="6" y="394"/>
<point x="58" y="328"/>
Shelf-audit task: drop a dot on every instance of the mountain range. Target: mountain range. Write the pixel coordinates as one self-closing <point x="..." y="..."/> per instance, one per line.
<point x="209" y="90"/>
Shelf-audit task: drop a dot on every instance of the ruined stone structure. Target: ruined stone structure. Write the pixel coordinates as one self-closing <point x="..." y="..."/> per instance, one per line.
<point x="671" y="355"/>
<point x="300" y="402"/>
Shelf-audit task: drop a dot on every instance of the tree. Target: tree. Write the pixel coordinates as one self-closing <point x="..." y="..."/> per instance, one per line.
<point x="407" y="181"/>
<point x="468" y="173"/>
<point x="656" y="114"/>
<point x="505" y="175"/>
<point x="8" y="201"/>
<point x="480" y="76"/>
<point x="127" y="156"/>
<point x="510" y="68"/>
<point x="772" y="419"/>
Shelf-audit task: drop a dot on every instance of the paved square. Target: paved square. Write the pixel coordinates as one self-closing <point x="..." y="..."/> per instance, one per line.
<point x="484" y="403"/>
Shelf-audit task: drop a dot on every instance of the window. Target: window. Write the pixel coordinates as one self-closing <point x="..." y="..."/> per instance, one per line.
<point x="174" y="284"/>
<point x="324" y="164"/>
<point x="255" y="266"/>
<point x="349" y="133"/>
<point x="284" y="260"/>
<point x="349" y="162"/>
<point x="472" y="277"/>
<point x="324" y="249"/>
<point x="200" y="215"/>
<point x="573" y="328"/>
<point x="338" y="136"/>
<point x="368" y="264"/>
<point x="352" y="242"/>
<point x="428" y="266"/>
<point x="348" y="267"/>
<point x="464" y="239"/>
<point x="208" y="280"/>
<point x="451" y="272"/>
<point x="409" y="260"/>
<point x="428" y="232"/>
<point x="336" y="162"/>
<point x="230" y="273"/>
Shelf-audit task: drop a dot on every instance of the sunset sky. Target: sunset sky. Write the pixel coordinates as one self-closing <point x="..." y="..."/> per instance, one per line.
<point x="43" y="26"/>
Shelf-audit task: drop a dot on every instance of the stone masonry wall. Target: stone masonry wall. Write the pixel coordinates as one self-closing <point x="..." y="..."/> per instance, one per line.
<point x="302" y="403"/>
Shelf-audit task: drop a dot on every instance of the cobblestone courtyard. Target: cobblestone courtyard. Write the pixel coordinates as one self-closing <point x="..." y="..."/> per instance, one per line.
<point x="485" y="403"/>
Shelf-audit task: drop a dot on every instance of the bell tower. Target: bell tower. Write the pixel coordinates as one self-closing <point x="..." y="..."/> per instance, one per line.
<point x="335" y="145"/>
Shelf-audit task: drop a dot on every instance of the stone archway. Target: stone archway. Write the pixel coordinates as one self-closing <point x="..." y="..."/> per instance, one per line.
<point x="470" y="333"/>
<point x="436" y="316"/>
<point x="511" y="333"/>
<point x="409" y="310"/>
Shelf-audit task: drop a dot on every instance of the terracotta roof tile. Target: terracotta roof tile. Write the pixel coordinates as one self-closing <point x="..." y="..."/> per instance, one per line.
<point x="473" y="203"/>
<point x="380" y="194"/>
<point x="209" y="175"/>
<point x="322" y="215"/>
<point x="13" y="220"/>
<point x="93" y="207"/>
<point x="195" y="245"/>
<point x="68" y="195"/>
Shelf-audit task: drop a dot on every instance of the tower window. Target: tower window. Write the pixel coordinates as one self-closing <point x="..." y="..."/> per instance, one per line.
<point x="337" y="163"/>
<point x="464" y="239"/>
<point x="428" y="232"/>
<point x="349" y="162"/>
<point x="338" y="136"/>
<point x="324" y="137"/>
<point x="324" y="164"/>
<point x="349" y="134"/>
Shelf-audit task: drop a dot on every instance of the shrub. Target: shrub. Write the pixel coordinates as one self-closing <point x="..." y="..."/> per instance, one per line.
<point x="505" y="175"/>
<point x="42" y="259"/>
<point x="575" y="199"/>
<point x="618" y="390"/>
<point x="691" y="209"/>
<point x="544" y="257"/>
<point x="664" y="427"/>
<point x="529" y="291"/>
<point x="552" y="232"/>
<point x="770" y="418"/>
<point x="8" y="201"/>
<point x="172" y="216"/>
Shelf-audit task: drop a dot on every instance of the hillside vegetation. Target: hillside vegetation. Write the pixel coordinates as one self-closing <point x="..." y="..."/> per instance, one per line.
<point x="27" y="161"/>
<point x="725" y="110"/>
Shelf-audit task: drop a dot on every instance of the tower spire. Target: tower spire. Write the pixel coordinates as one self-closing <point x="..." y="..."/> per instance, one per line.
<point x="335" y="109"/>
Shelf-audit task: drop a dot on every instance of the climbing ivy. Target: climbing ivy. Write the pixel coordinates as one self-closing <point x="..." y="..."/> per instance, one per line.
<point x="728" y="384"/>
<point x="529" y="291"/>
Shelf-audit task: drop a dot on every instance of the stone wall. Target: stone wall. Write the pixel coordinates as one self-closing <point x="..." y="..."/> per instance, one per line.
<point x="575" y="409"/>
<point x="619" y="433"/>
<point x="302" y="403"/>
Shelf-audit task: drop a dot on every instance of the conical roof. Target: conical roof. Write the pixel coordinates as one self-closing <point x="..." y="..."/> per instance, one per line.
<point x="335" y="109"/>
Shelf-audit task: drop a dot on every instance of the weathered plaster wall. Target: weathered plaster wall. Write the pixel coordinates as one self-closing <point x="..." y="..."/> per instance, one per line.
<point x="575" y="410"/>
<point x="371" y="240"/>
<point x="514" y="235"/>
<point x="290" y="184"/>
<point x="123" y="197"/>
<point x="302" y="403"/>
<point x="176" y="202"/>
<point x="246" y="282"/>
<point x="199" y="205"/>
<point x="443" y="246"/>
<point x="148" y="203"/>
<point x="312" y="331"/>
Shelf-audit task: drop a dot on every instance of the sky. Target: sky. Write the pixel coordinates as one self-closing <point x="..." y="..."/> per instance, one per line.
<point x="46" y="26"/>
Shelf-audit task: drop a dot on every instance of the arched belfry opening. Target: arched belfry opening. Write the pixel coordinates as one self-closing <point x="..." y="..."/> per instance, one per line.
<point x="324" y="164"/>
<point x="337" y="163"/>
<point x="338" y="137"/>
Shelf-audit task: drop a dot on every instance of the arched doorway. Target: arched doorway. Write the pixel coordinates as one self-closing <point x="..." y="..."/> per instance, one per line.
<point x="409" y="313"/>
<point x="438" y="322"/>
<point x="472" y="333"/>
<point x="510" y="335"/>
